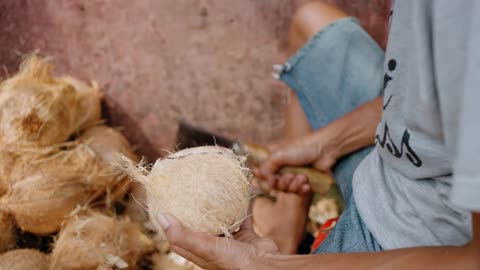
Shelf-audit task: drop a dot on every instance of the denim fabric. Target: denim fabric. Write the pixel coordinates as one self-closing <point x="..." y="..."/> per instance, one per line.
<point x="339" y="69"/>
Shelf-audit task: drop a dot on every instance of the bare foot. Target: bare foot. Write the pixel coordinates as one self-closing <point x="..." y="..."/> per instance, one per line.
<point x="284" y="220"/>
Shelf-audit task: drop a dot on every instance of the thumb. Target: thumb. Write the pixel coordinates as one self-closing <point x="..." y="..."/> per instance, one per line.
<point x="324" y="164"/>
<point x="193" y="246"/>
<point x="171" y="226"/>
<point x="270" y="166"/>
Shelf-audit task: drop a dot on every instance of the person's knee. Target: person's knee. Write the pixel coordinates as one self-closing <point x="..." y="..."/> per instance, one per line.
<point x="313" y="17"/>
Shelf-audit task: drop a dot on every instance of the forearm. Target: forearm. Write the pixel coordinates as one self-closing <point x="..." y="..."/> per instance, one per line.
<point x="352" y="131"/>
<point x="412" y="258"/>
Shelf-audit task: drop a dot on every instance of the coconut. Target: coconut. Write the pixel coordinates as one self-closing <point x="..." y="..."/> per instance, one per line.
<point x="7" y="232"/>
<point x="136" y="207"/>
<point x="92" y="240"/>
<point x="46" y="188"/>
<point x="89" y="156"/>
<point x="206" y="188"/>
<point x="107" y="143"/>
<point x="7" y="161"/>
<point x="24" y="259"/>
<point x="38" y="109"/>
<point x="46" y="185"/>
<point x="39" y="203"/>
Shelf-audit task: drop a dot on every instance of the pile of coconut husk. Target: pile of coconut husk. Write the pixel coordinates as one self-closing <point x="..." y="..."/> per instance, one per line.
<point x="62" y="205"/>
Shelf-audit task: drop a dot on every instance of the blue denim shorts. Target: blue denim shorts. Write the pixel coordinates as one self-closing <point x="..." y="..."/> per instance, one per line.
<point x="339" y="69"/>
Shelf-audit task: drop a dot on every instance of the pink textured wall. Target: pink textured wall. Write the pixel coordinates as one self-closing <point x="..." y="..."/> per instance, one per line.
<point x="158" y="61"/>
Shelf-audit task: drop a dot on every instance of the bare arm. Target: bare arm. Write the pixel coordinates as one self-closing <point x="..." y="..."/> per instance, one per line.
<point x="356" y="129"/>
<point x="323" y="147"/>
<point x="448" y="257"/>
<point x="248" y="251"/>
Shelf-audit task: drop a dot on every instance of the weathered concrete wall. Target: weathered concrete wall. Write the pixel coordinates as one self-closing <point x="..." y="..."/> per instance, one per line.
<point x="158" y="61"/>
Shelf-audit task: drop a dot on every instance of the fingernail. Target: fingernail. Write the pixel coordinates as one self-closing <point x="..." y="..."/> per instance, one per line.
<point x="163" y="221"/>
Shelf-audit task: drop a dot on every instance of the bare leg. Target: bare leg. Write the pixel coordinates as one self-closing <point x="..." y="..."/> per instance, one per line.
<point x="284" y="221"/>
<point x="306" y="22"/>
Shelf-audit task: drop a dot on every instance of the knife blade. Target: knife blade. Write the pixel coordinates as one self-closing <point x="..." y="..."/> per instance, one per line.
<point x="190" y="136"/>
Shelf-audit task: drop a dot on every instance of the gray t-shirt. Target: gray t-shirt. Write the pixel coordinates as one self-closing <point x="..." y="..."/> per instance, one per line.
<point x="420" y="184"/>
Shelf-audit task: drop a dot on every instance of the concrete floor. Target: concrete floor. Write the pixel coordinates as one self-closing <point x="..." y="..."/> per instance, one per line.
<point x="158" y="61"/>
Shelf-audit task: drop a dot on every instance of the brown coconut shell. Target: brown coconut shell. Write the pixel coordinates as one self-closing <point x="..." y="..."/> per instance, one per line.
<point x="107" y="143"/>
<point x="38" y="109"/>
<point x="7" y="232"/>
<point x="47" y="184"/>
<point x="137" y="204"/>
<point x="39" y="203"/>
<point x="7" y="161"/>
<point x="92" y="240"/>
<point x="45" y="189"/>
<point x="71" y="158"/>
<point x="24" y="259"/>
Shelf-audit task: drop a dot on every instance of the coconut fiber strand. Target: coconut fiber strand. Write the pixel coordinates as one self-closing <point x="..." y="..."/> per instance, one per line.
<point x="106" y="144"/>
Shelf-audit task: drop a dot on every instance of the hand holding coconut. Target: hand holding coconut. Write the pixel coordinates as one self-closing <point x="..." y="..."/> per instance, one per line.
<point x="212" y="252"/>
<point x="206" y="188"/>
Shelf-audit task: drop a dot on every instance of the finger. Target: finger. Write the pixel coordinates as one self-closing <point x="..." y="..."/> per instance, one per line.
<point x="281" y="182"/>
<point x="274" y="145"/>
<point x="284" y="181"/>
<point x="189" y="256"/>
<point x="287" y="178"/>
<point x="270" y="166"/>
<point x="306" y="189"/>
<point x="199" y="244"/>
<point x="297" y="183"/>
<point x="248" y="223"/>
<point x="272" y="181"/>
<point x="324" y="164"/>
<point x="256" y="172"/>
<point x="224" y="262"/>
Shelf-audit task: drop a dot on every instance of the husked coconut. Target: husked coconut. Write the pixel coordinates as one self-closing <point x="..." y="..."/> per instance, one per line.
<point x="45" y="189"/>
<point x="39" y="203"/>
<point x="136" y="207"/>
<point x="7" y="232"/>
<point x="7" y="161"/>
<point x="24" y="259"/>
<point x="107" y="143"/>
<point x="38" y="109"/>
<point x="92" y="240"/>
<point x="206" y="188"/>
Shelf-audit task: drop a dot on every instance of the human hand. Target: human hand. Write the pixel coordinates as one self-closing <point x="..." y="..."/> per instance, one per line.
<point x="314" y="149"/>
<point x="245" y="251"/>
<point x="291" y="183"/>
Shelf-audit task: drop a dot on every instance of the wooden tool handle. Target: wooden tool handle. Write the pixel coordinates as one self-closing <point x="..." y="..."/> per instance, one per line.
<point x="320" y="182"/>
